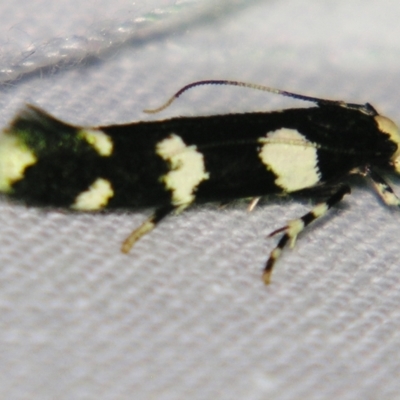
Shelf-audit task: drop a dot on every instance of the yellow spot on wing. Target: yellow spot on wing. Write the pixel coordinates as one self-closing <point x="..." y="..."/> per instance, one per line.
<point x="101" y="142"/>
<point x="292" y="158"/>
<point x="187" y="169"/>
<point x="96" y="197"/>
<point x="15" y="157"/>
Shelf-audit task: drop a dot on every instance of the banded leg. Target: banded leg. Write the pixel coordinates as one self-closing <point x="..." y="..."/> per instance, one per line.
<point x="293" y="228"/>
<point x="383" y="189"/>
<point x="147" y="226"/>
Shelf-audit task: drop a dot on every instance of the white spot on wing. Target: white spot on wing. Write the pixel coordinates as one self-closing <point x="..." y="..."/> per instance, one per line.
<point x="101" y="142"/>
<point x="187" y="169"/>
<point x="292" y="158"/>
<point x="15" y="157"/>
<point x="96" y="197"/>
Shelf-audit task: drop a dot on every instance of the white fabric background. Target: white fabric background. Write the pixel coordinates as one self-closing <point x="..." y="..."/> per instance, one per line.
<point x="185" y="314"/>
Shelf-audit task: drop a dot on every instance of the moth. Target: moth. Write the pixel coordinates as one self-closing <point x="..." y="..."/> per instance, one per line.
<point x="173" y="163"/>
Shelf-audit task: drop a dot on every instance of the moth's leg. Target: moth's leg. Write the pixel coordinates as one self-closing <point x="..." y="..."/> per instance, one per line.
<point x="384" y="191"/>
<point x="293" y="228"/>
<point x="253" y="204"/>
<point x="148" y="226"/>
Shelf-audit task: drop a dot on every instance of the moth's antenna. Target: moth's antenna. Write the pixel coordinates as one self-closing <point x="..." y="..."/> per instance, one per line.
<point x="364" y="108"/>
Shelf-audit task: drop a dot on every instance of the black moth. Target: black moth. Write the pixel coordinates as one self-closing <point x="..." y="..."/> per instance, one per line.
<point x="171" y="164"/>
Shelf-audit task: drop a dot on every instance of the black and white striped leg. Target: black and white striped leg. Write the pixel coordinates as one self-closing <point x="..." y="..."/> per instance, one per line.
<point x="293" y="228"/>
<point x="384" y="191"/>
<point x="147" y="226"/>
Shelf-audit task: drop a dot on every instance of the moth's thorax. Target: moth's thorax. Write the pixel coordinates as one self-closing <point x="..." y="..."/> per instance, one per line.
<point x="388" y="127"/>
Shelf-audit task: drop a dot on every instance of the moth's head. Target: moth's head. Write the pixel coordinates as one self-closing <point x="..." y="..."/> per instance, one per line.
<point x="387" y="126"/>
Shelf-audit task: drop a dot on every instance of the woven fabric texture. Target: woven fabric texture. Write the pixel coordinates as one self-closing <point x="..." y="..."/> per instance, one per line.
<point x="185" y="314"/>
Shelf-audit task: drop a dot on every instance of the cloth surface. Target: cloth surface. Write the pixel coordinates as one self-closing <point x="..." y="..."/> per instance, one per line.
<point x="185" y="315"/>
